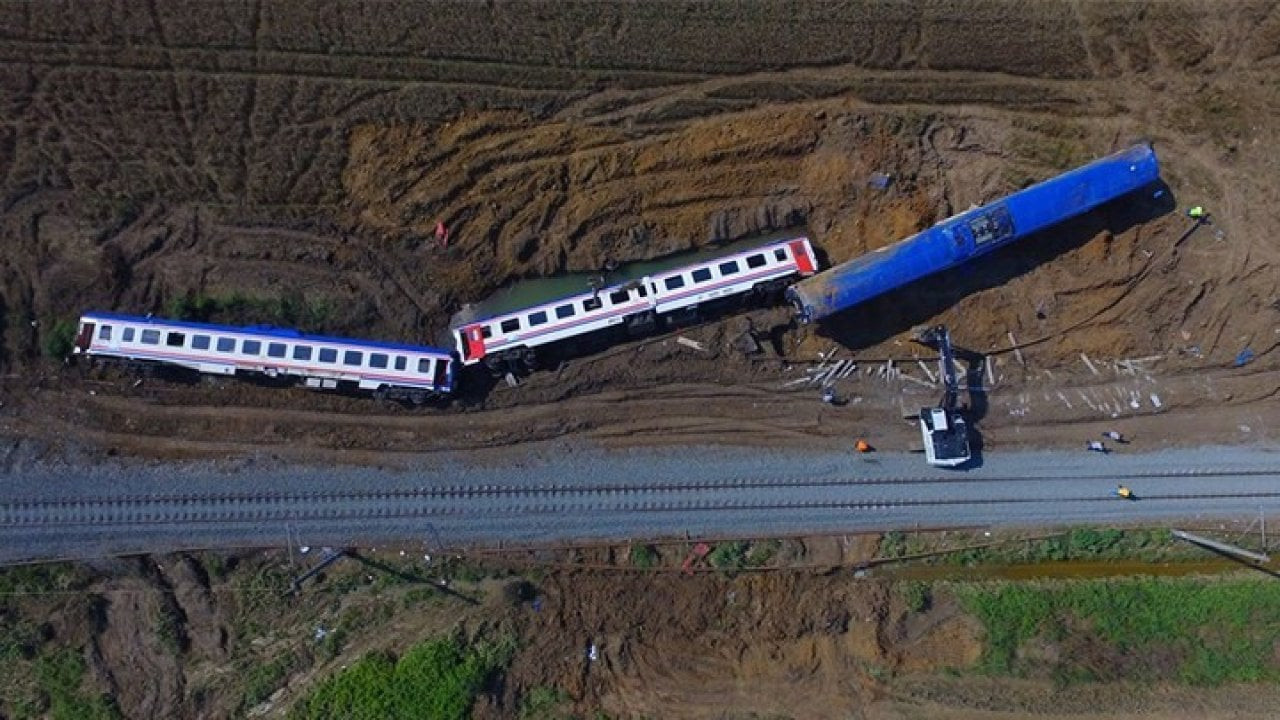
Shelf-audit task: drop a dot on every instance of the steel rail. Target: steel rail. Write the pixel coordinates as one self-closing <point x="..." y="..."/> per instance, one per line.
<point x="497" y="489"/>
<point x="34" y="516"/>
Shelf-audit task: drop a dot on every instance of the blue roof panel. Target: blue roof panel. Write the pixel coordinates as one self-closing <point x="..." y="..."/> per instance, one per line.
<point x="262" y="331"/>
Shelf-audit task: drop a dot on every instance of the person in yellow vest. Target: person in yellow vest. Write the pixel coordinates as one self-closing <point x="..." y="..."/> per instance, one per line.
<point x="1124" y="492"/>
<point x="1196" y="213"/>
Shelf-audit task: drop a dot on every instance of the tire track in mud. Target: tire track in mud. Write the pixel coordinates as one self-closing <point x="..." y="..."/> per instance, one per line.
<point x="402" y="70"/>
<point x="182" y="424"/>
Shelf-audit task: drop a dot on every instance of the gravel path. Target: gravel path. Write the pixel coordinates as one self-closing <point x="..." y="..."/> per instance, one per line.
<point x="566" y="493"/>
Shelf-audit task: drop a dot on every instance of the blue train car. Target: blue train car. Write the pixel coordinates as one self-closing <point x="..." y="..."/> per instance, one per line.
<point x="976" y="232"/>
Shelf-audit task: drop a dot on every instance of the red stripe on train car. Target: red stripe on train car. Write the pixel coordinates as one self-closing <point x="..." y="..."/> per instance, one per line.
<point x="804" y="263"/>
<point x="475" y="343"/>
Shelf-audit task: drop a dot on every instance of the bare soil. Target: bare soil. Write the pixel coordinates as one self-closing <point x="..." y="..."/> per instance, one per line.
<point x="305" y="152"/>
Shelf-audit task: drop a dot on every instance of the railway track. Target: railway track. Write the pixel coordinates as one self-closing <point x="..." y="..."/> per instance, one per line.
<point x="490" y="500"/>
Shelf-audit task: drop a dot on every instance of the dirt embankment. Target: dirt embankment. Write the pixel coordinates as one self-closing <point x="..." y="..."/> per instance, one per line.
<point x="311" y="160"/>
<point x="213" y="636"/>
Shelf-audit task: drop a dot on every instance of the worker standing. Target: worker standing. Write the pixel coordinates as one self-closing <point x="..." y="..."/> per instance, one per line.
<point x="1124" y="492"/>
<point x="1113" y="435"/>
<point x="1197" y="213"/>
<point x="1095" y="446"/>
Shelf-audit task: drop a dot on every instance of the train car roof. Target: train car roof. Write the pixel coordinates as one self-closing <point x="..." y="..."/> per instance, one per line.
<point x="262" y="331"/>
<point x="528" y="294"/>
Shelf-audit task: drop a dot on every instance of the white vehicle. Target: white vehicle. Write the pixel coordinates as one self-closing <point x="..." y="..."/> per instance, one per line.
<point x="946" y="437"/>
<point x="408" y="371"/>
<point x="943" y="429"/>
<point x="508" y="339"/>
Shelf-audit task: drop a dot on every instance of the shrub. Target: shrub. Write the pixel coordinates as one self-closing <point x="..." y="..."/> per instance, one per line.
<point x="58" y="339"/>
<point x="543" y="703"/>
<point x="643" y="556"/>
<point x="728" y="555"/>
<point x="762" y="553"/>
<point x="917" y="596"/>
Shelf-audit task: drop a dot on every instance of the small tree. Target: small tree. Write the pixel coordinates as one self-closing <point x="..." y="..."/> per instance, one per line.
<point x="59" y="338"/>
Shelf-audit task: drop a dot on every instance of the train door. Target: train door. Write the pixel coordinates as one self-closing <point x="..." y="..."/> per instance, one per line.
<point x="85" y="338"/>
<point x="472" y="344"/>
<point x="804" y="261"/>
<point x="441" y="377"/>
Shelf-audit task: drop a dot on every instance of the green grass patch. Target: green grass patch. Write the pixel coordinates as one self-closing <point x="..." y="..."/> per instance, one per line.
<point x="288" y="309"/>
<point x="438" y="679"/>
<point x="1193" y="631"/>
<point x="35" y="579"/>
<point x="1078" y="544"/>
<point x="544" y="703"/>
<point x="261" y="679"/>
<point x="51" y="686"/>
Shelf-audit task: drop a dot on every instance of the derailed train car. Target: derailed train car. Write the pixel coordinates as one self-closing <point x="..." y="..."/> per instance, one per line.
<point x="410" y="372"/>
<point x="516" y="338"/>
<point x="974" y="233"/>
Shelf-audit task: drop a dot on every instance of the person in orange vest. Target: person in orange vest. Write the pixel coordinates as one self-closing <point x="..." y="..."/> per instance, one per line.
<point x="863" y="446"/>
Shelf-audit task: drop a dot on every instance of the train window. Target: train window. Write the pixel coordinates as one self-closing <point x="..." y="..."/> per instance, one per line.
<point x="275" y="350"/>
<point x="486" y="332"/>
<point x="401" y="362"/>
<point x="226" y="344"/>
<point x="701" y="275"/>
<point x="592" y="304"/>
<point x="564" y="311"/>
<point x="104" y="332"/>
<point x="175" y="339"/>
<point x="756" y="261"/>
<point x="353" y="357"/>
<point x="780" y="254"/>
<point x="729" y="268"/>
<point x="424" y="366"/>
<point x="200" y="342"/>
<point x="675" y="282"/>
<point x="302" y="352"/>
<point x="617" y="297"/>
<point x="644" y="291"/>
<point x="510" y="325"/>
<point x="538" y="318"/>
<point x="251" y="347"/>
<point x="151" y="337"/>
<point x="994" y="225"/>
<point x="328" y="355"/>
<point x="378" y="360"/>
<point x="128" y="334"/>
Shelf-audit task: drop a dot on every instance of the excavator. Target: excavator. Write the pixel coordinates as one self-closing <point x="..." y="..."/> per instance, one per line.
<point x="943" y="428"/>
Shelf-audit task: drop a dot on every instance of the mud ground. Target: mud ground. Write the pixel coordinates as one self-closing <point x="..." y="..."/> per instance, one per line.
<point x="301" y="155"/>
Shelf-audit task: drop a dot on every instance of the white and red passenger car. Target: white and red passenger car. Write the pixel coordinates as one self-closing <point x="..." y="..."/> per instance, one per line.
<point x="509" y="339"/>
